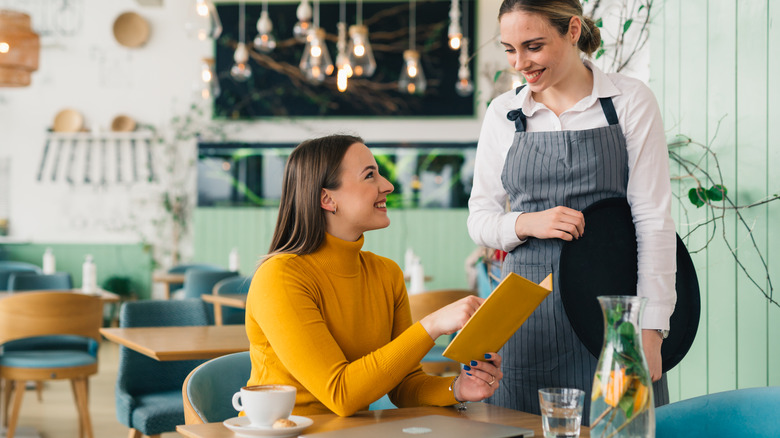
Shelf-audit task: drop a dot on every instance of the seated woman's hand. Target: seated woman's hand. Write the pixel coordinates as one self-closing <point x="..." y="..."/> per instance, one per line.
<point x="479" y="379"/>
<point x="451" y="317"/>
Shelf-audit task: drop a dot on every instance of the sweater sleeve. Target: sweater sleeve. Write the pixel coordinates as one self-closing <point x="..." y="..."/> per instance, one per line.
<point x="286" y="306"/>
<point x="417" y="388"/>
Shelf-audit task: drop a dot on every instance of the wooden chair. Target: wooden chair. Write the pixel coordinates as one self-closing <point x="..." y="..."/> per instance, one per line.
<point x="425" y="303"/>
<point x="49" y="314"/>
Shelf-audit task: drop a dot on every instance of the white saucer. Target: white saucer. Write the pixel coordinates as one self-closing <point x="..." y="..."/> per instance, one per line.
<point x="241" y="426"/>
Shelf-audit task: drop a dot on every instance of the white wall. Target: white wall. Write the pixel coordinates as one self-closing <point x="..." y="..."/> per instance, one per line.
<point x="92" y="73"/>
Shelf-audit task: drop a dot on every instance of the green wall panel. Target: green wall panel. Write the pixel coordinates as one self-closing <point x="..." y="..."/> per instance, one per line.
<point x="124" y="260"/>
<point x="712" y="64"/>
<point x="439" y="237"/>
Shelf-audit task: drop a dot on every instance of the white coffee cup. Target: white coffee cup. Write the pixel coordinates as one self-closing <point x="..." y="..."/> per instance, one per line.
<point x="264" y="404"/>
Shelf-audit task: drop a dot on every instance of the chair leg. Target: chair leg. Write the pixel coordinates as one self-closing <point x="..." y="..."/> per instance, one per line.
<point x="8" y="388"/>
<point x="134" y="433"/>
<point x="80" y="391"/>
<point x="18" y="397"/>
<point x="39" y="390"/>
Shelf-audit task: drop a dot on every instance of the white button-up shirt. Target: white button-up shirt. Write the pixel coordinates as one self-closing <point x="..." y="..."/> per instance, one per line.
<point x="648" y="191"/>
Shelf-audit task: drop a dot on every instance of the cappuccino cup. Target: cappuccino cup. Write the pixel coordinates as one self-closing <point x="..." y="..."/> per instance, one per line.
<point x="264" y="404"/>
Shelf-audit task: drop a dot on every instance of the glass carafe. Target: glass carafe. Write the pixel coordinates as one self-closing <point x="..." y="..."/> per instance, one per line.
<point x="622" y="398"/>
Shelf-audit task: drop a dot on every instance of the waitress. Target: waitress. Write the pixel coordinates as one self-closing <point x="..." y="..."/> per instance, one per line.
<point x="571" y="136"/>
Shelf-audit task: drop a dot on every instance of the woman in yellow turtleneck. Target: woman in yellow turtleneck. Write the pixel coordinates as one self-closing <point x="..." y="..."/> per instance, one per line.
<point x="333" y="320"/>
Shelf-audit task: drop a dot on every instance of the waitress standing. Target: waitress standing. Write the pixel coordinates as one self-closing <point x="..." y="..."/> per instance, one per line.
<point x="571" y="136"/>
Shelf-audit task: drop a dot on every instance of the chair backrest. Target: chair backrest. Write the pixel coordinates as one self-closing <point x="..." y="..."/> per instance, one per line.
<point x="425" y="303"/>
<point x="183" y="268"/>
<point x="31" y="281"/>
<point x="232" y="285"/>
<point x="139" y="374"/>
<point x="8" y="267"/>
<point x="50" y="313"/>
<point x="197" y="283"/>
<point x="741" y="413"/>
<point x="208" y="389"/>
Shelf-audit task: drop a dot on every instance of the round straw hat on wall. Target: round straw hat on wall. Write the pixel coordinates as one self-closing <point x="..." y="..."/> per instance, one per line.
<point x="131" y="30"/>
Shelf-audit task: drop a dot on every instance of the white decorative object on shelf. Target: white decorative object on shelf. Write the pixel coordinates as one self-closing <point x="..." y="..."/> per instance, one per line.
<point x="49" y="262"/>
<point x="234" y="263"/>
<point x="417" y="280"/>
<point x="88" y="275"/>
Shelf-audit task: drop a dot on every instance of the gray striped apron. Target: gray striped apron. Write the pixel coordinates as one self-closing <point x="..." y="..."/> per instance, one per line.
<point x="544" y="170"/>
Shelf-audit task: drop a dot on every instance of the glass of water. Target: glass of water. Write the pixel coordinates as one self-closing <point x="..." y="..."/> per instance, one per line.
<point x="561" y="411"/>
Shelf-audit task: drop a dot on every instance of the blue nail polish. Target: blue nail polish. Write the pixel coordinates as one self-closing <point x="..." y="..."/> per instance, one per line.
<point x="487" y="356"/>
<point x="468" y="374"/>
<point x="466" y="367"/>
<point x="473" y="363"/>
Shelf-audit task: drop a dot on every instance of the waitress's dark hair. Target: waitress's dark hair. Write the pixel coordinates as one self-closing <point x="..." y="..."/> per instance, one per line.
<point x="558" y="13"/>
<point x="312" y="166"/>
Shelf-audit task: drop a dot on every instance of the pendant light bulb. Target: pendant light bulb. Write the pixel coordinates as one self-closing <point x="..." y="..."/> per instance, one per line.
<point x="241" y="70"/>
<point x="316" y="63"/>
<point x="303" y="26"/>
<point x="210" y="84"/>
<point x="265" y="41"/>
<point x="412" y="80"/>
<point x="464" y="87"/>
<point x="341" y="79"/>
<point x="342" y="59"/>
<point x="205" y="23"/>
<point x="454" y="32"/>
<point x="361" y="56"/>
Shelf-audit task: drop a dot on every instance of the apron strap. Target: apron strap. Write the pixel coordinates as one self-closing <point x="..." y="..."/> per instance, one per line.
<point x="517" y="115"/>
<point x="609" y="110"/>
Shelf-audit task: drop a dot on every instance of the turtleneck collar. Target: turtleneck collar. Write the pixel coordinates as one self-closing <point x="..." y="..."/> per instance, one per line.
<point x="338" y="256"/>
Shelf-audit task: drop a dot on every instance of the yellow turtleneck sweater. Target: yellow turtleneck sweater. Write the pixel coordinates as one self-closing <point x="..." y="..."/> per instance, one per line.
<point x="336" y="325"/>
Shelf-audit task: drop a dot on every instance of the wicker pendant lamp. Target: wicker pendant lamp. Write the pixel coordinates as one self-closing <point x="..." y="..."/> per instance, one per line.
<point x="19" y="48"/>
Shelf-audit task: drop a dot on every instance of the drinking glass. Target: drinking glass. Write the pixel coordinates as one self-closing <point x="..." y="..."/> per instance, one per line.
<point x="561" y="411"/>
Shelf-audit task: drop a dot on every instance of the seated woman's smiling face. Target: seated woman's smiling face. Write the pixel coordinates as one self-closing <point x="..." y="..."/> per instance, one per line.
<point x="360" y="200"/>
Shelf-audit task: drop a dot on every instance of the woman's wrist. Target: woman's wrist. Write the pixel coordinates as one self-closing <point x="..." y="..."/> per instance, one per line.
<point x="454" y="389"/>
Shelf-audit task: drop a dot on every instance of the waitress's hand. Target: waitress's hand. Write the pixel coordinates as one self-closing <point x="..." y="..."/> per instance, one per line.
<point x="651" y="343"/>
<point x="451" y="317"/>
<point x="556" y="223"/>
<point x="479" y="380"/>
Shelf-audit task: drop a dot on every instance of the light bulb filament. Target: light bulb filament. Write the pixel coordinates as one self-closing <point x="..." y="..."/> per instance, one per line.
<point x="316" y="50"/>
<point x="412" y="70"/>
<point x="4" y="47"/>
<point x="359" y="50"/>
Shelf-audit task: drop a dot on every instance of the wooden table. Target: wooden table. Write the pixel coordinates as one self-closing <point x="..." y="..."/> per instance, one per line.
<point x="181" y="343"/>
<point x="230" y="300"/>
<point x="325" y="422"/>
<point x="167" y="279"/>
<point x="106" y="296"/>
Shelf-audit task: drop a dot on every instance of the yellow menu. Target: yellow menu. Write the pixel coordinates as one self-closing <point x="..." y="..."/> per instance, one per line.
<point x="498" y="318"/>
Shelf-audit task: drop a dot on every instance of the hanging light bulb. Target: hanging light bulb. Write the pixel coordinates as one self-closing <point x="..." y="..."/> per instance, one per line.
<point x="454" y="33"/>
<point x="315" y="63"/>
<point x="205" y="22"/>
<point x="343" y="68"/>
<point x="464" y="87"/>
<point x="241" y="70"/>
<point x="361" y="56"/>
<point x="265" y="41"/>
<point x="302" y="27"/>
<point x="210" y="84"/>
<point x="412" y="79"/>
